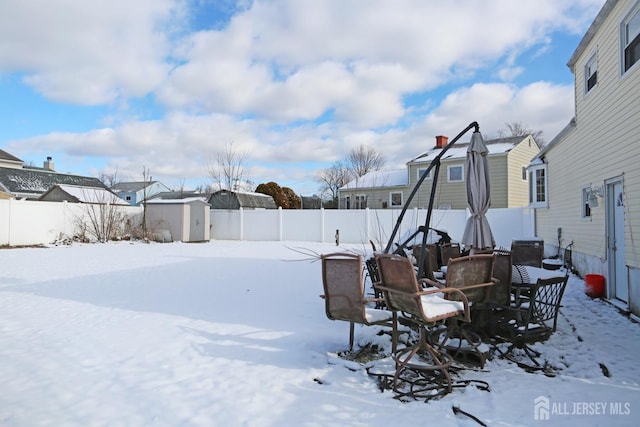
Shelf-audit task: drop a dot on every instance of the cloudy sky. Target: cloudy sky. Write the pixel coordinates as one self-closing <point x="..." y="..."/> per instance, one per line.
<point x="118" y="85"/>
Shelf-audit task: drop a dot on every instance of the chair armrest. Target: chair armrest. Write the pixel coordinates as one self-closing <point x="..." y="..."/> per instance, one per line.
<point x="430" y="282"/>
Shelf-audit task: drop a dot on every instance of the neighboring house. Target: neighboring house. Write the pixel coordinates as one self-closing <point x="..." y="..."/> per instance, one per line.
<point x="10" y="161"/>
<point x="80" y="194"/>
<point x="508" y="159"/>
<point x="225" y="199"/>
<point x="30" y="182"/>
<point x="586" y="181"/>
<point x="135" y="192"/>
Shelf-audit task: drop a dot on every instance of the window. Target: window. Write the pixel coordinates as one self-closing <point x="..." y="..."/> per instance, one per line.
<point x="455" y="173"/>
<point x="524" y="173"/>
<point x="538" y="186"/>
<point x="396" y="199"/>
<point x="128" y="198"/>
<point x="630" y="38"/>
<point x="421" y="171"/>
<point x="590" y="73"/>
<point x="360" y="202"/>
<point x="586" y="209"/>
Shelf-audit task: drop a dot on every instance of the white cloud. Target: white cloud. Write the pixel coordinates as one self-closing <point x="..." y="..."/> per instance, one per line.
<point x="261" y="80"/>
<point x="84" y="52"/>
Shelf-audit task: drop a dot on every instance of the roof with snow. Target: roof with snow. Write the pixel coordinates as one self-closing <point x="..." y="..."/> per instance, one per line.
<point x="184" y="201"/>
<point x="225" y="199"/>
<point x="32" y="183"/>
<point x="131" y="186"/>
<point x="82" y="194"/>
<point x="383" y="178"/>
<point x="459" y="151"/>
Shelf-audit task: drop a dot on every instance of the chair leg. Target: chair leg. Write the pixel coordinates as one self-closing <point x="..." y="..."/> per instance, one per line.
<point x="351" y="332"/>
<point x="458" y="341"/>
<point x="420" y="384"/>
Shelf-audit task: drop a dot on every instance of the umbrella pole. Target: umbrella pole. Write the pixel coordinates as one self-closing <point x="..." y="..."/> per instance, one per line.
<point x="427" y="221"/>
<point x="422" y="178"/>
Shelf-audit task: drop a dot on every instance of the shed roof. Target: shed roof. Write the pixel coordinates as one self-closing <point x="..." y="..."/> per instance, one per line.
<point x="246" y="199"/>
<point x="185" y="201"/>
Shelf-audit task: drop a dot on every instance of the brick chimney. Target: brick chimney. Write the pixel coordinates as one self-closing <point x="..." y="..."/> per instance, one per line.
<point x="48" y="164"/>
<point x="441" y="141"/>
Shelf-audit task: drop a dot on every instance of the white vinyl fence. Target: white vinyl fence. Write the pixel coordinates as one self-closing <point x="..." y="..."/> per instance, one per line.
<point x="360" y="226"/>
<point x="34" y="222"/>
<point x="25" y="222"/>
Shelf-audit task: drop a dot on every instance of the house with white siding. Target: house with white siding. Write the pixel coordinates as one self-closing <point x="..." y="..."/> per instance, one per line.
<point x="585" y="184"/>
<point x="508" y="159"/>
<point x="135" y="192"/>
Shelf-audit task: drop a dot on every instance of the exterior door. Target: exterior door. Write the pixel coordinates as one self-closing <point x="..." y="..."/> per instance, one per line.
<point x="616" y="244"/>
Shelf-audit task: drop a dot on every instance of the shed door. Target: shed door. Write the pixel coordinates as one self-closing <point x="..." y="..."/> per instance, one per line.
<point x="196" y="231"/>
<point x="616" y="243"/>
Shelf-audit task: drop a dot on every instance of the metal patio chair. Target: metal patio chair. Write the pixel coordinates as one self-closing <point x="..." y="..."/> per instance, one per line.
<point x="344" y="295"/>
<point x="420" y="367"/>
<point x="473" y="276"/>
<point x="535" y="320"/>
<point x="527" y="253"/>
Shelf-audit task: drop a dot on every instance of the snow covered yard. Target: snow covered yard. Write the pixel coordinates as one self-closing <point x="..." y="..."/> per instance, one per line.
<point x="234" y="334"/>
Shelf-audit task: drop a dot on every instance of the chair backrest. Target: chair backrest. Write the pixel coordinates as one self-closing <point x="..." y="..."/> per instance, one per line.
<point x="397" y="272"/>
<point x="430" y="263"/>
<point x="471" y="270"/>
<point x="545" y="302"/>
<point x="372" y="270"/>
<point x="527" y="253"/>
<point x="502" y="270"/>
<point x="343" y="287"/>
<point x="448" y="251"/>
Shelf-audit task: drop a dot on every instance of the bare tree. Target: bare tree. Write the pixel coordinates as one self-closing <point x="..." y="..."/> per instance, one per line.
<point x="518" y="129"/>
<point x="103" y="219"/>
<point x="362" y="160"/>
<point x="332" y="178"/>
<point x="227" y="171"/>
<point x="109" y="179"/>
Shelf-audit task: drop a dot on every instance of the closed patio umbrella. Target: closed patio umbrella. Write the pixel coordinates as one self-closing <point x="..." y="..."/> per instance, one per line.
<point x="477" y="232"/>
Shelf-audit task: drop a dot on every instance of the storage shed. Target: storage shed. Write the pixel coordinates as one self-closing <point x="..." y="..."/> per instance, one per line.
<point x="184" y="220"/>
<point x="225" y="199"/>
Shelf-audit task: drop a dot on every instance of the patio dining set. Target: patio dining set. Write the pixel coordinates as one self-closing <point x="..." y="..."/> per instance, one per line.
<point x="452" y="310"/>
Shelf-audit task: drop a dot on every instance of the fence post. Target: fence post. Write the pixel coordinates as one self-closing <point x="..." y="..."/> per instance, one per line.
<point x="280" y="224"/>
<point x="321" y="225"/>
<point x="241" y="223"/>
<point x="9" y="222"/>
<point x="367" y="220"/>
